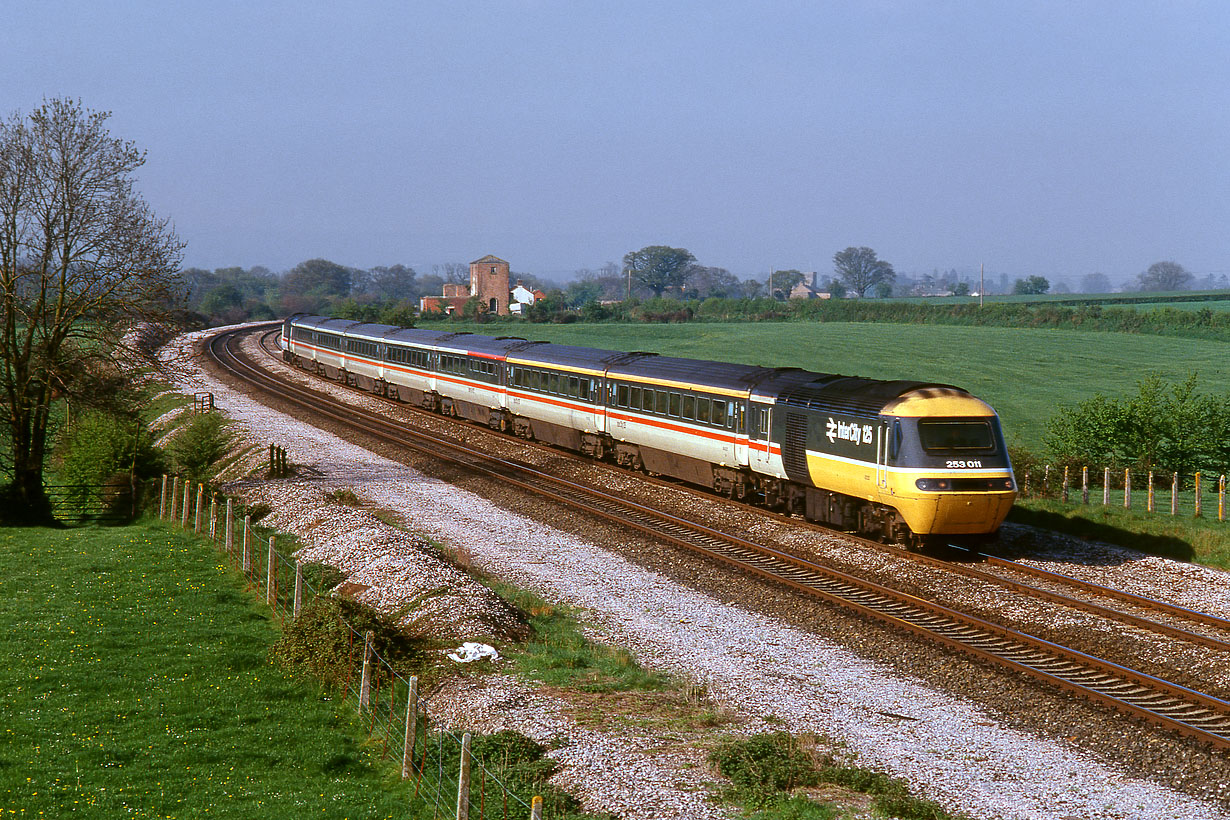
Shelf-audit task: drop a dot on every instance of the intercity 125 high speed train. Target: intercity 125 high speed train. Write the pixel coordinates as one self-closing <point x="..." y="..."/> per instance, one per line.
<point x="903" y="461"/>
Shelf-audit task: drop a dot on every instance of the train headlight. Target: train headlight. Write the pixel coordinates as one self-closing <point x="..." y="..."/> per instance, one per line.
<point x="933" y="484"/>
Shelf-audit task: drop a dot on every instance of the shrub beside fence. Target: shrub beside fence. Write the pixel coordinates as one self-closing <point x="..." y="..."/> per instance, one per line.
<point x="439" y="761"/>
<point x="1154" y="493"/>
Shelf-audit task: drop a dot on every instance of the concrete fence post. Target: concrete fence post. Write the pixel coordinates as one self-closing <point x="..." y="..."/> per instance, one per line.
<point x="1084" y="485"/>
<point x="298" y="605"/>
<point x="365" y="682"/>
<point x="271" y="578"/>
<point x="183" y="522"/>
<point x="213" y="519"/>
<point x="412" y="713"/>
<point x="1149" y="497"/>
<point x="1174" y="495"/>
<point x="463" y="780"/>
<point x="1221" y="498"/>
<point x="1127" y="489"/>
<point x="247" y="547"/>
<point x="1046" y="480"/>
<point x="1199" y="507"/>
<point x="162" y="501"/>
<point x="1106" y="487"/>
<point x="536" y="808"/>
<point x="174" y="500"/>
<point x="1065" y="484"/>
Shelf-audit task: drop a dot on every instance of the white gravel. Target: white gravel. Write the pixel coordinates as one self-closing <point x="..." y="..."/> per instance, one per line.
<point x="949" y="749"/>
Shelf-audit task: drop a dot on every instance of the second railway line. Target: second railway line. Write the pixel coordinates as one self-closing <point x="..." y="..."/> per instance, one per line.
<point x="1174" y="691"/>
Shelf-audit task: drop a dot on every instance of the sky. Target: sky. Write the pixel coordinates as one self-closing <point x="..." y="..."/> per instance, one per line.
<point x="1037" y="138"/>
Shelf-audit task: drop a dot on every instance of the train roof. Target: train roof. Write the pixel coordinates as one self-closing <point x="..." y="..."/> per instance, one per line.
<point x="677" y="372"/>
<point x="572" y="357"/>
<point x="851" y="394"/>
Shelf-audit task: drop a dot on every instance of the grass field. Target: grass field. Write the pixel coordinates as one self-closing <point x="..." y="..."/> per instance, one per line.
<point x="137" y="684"/>
<point x="1025" y="374"/>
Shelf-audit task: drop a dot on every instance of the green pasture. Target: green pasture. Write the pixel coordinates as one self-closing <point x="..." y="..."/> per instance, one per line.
<point x="136" y="683"/>
<point x="1025" y="374"/>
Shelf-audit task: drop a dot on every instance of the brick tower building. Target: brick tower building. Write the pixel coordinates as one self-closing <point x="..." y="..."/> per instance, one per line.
<point x="489" y="282"/>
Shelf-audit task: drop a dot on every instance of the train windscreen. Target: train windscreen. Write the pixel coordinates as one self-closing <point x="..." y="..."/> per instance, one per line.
<point x="953" y="436"/>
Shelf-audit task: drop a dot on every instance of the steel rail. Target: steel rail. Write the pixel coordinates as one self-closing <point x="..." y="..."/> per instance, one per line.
<point x="1155" y="700"/>
<point x="1090" y="607"/>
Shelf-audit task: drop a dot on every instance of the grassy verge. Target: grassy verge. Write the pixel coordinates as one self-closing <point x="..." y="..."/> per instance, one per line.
<point x="138" y="685"/>
<point x="778" y="776"/>
<point x="1202" y="540"/>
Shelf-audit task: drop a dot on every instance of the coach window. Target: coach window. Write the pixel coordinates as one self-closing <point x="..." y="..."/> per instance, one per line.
<point x="621" y="395"/>
<point x="647" y="398"/>
<point x="702" y="410"/>
<point x="717" y="414"/>
<point x="675" y="402"/>
<point x="689" y="407"/>
<point x="635" y="401"/>
<point x="584" y="388"/>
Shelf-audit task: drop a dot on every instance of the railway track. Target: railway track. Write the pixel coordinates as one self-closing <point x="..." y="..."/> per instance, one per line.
<point x="1152" y="699"/>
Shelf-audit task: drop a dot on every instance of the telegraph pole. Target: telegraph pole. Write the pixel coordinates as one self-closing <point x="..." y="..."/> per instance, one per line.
<point x="982" y="282"/>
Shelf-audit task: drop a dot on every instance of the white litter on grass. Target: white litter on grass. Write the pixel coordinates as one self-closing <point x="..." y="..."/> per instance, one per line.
<point x="469" y="652"/>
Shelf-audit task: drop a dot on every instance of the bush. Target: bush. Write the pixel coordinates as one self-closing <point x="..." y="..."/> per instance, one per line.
<point x="200" y="445"/>
<point x="106" y="457"/>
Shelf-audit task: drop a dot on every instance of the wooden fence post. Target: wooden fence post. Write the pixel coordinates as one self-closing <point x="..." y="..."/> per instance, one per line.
<point x="365" y="682"/>
<point x="162" y="501"/>
<point x="271" y="578"/>
<point x="536" y="808"/>
<point x="1198" y="506"/>
<point x="1105" y="486"/>
<point x="1221" y="498"/>
<point x="1174" y="495"/>
<point x="1084" y="485"/>
<point x="200" y="506"/>
<point x="463" y="780"/>
<point x="213" y="518"/>
<point x="1149" y="497"/>
<point x="229" y="537"/>
<point x="1046" y="480"/>
<point x="187" y="504"/>
<point x="1065" y="483"/>
<point x="174" y="499"/>
<point x="412" y="709"/>
<point x="1127" y="489"/>
<point x="247" y="548"/>
<point x="298" y="590"/>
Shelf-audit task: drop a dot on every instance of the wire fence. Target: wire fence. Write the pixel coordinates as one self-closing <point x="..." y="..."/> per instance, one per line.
<point x="1195" y="495"/>
<point x="447" y="778"/>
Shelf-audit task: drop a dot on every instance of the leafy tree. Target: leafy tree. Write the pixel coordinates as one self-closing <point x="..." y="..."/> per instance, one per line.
<point x="1095" y="283"/>
<point x="859" y="269"/>
<point x="1031" y="286"/>
<point x="395" y="282"/>
<point x="659" y="267"/>
<point x="960" y="289"/>
<point x="752" y="288"/>
<point x="583" y="292"/>
<point x="1163" y="276"/>
<point x="82" y="260"/>
<point x="1166" y="426"/>
<point x="781" y="282"/>
<point x="312" y="285"/>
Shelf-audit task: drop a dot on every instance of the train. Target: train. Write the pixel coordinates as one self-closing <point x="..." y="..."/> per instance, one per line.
<point x="904" y="462"/>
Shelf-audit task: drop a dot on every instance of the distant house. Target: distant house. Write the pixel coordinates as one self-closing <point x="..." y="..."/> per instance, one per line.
<point x="808" y="290"/>
<point x="488" y="281"/>
<point x="522" y="297"/>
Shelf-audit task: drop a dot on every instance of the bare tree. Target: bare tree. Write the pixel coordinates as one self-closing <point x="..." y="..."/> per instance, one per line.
<point x="82" y="261"/>
<point x="1164" y="276"/>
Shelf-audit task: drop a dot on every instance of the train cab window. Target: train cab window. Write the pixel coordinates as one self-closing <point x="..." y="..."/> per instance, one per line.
<point x="959" y="436"/>
<point x="676" y="401"/>
<point x="702" y="410"/>
<point x="621" y="395"/>
<point x="894" y="440"/>
<point x="761" y="426"/>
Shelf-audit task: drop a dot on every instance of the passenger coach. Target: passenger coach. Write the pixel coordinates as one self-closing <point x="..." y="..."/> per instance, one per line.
<point x="904" y="461"/>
